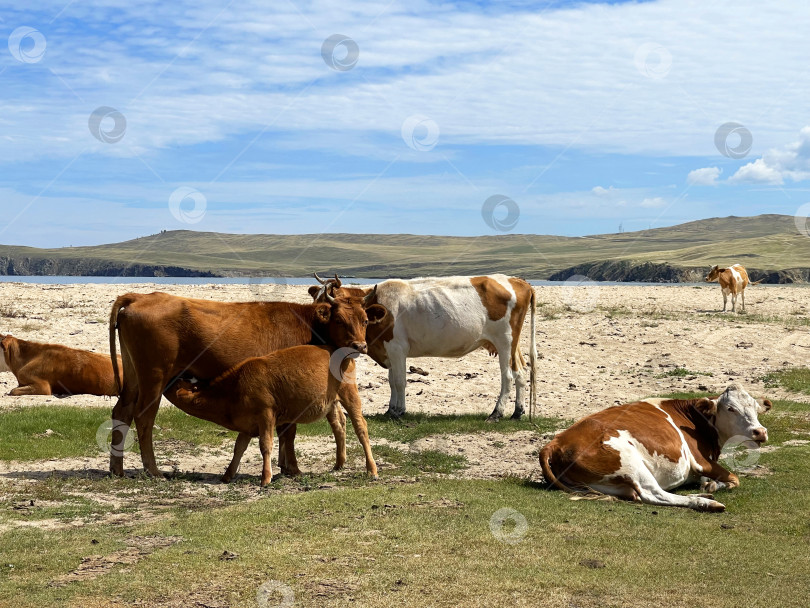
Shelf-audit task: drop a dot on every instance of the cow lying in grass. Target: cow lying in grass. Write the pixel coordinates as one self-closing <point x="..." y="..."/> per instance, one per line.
<point x="640" y="450"/>
<point x="48" y="369"/>
<point x="298" y="385"/>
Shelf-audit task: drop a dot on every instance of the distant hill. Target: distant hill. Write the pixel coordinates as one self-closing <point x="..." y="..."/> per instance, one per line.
<point x="770" y="245"/>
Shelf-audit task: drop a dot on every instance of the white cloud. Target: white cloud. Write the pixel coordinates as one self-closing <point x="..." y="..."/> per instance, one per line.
<point x="707" y="176"/>
<point x="653" y="202"/>
<point x="600" y="191"/>
<point x="791" y="162"/>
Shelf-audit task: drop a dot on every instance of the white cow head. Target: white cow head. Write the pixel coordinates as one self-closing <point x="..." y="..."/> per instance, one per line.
<point x="735" y="415"/>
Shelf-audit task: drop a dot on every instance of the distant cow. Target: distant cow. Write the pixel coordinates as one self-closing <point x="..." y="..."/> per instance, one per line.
<point x="301" y="384"/>
<point x="640" y="450"/>
<point x="450" y="317"/>
<point x="47" y="369"/>
<point x="733" y="280"/>
<point x="163" y="336"/>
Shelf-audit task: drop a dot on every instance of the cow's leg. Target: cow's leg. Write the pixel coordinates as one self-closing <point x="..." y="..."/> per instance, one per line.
<point x="145" y="413"/>
<point x="38" y="387"/>
<point x="242" y="442"/>
<point x="337" y="420"/>
<point x="267" y="424"/>
<point x="122" y="415"/>
<point x="351" y="402"/>
<point x="287" y="462"/>
<point x="725" y="300"/>
<point x="396" y="381"/>
<point x="519" y="370"/>
<point x="742" y="295"/>
<point x="506" y="381"/>
<point x="650" y="492"/>
<point x="733" y="302"/>
<point x="718" y="478"/>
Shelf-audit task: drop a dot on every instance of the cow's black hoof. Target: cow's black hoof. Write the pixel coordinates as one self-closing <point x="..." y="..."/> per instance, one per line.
<point x="494" y="418"/>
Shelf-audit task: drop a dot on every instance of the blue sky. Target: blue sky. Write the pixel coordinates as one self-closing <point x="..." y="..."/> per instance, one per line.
<point x="587" y="114"/>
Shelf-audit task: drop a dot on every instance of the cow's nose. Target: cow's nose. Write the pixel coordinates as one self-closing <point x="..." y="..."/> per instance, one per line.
<point x="359" y="347"/>
<point x="760" y="435"/>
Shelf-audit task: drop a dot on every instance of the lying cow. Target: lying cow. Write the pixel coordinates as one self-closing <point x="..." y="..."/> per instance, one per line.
<point x="48" y="369"/>
<point x="640" y="450"/>
<point x="450" y="317"/>
<point x="164" y="336"/>
<point x="733" y="280"/>
<point x="294" y="385"/>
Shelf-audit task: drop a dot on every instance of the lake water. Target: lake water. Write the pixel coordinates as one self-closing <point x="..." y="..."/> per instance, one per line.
<point x="61" y="280"/>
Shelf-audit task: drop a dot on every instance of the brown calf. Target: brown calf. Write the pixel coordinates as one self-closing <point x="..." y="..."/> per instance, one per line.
<point x="164" y="336"/>
<point x="47" y="369"/>
<point x="640" y="450"/>
<point x="300" y="385"/>
<point x="733" y="280"/>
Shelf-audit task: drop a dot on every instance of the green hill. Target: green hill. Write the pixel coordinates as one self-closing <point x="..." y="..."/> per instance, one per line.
<point x="770" y="244"/>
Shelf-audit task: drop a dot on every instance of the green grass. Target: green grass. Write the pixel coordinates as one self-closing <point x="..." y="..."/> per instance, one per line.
<point x="75" y="429"/>
<point x="796" y="379"/>
<point x="428" y="541"/>
<point x="682" y="372"/>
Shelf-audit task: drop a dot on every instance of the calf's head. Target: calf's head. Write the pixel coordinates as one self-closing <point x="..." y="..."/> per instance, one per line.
<point x="714" y="274"/>
<point x="735" y="415"/>
<point x="344" y="320"/>
<point x="5" y="342"/>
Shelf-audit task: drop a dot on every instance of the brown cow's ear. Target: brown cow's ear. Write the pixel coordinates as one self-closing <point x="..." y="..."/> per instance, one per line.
<point x="323" y="312"/>
<point x="707" y="407"/>
<point x="765" y="405"/>
<point x="376" y="313"/>
<point x="313" y="291"/>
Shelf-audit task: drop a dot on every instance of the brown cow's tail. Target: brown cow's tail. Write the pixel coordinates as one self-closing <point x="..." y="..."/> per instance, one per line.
<point x="545" y="466"/>
<point x="755" y="282"/>
<point x="532" y="357"/>
<point x="120" y="302"/>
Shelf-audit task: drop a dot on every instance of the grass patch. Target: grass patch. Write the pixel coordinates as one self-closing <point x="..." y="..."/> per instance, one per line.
<point x="415" y="426"/>
<point x="24" y="431"/>
<point x="682" y="372"/>
<point x="796" y="380"/>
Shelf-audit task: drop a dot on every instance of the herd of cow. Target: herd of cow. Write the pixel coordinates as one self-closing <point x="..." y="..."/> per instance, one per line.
<point x="260" y="368"/>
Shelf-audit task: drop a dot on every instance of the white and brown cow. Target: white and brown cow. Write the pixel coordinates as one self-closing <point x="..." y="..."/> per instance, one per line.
<point x="733" y="280"/>
<point x="640" y="450"/>
<point x="450" y="317"/>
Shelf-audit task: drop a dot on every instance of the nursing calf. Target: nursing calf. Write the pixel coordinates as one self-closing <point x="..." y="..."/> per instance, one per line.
<point x="640" y="450"/>
<point x="47" y="369"/>
<point x="296" y="385"/>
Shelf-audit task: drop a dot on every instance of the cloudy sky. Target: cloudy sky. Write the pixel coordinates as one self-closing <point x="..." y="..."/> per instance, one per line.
<point x="122" y="118"/>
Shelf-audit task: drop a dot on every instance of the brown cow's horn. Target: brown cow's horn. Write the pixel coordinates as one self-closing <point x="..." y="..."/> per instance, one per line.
<point x="367" y="300"/>
<point x="319" y="279"/>
<point x="337" y="282"/>
<point x="329" y="298"/>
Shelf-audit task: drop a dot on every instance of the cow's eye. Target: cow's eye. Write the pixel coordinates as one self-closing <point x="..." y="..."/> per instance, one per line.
<point x="730" y="409"/>
<point x="365" y="322"/>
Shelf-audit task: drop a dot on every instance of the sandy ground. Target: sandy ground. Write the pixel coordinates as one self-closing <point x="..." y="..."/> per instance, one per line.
<point x="602" y="346"/>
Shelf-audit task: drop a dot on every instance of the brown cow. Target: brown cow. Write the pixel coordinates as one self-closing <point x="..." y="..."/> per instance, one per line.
<point x="300" y="385"/>
<point x="733" y="280"/>
<point x="47" y="369"/>
<point x="450" y="317"/>
<point x="163" y="336"/>
<point x="640" y="450"/>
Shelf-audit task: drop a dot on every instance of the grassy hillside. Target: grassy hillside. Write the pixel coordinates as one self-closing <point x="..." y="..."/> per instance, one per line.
<point x="766" y="242"/>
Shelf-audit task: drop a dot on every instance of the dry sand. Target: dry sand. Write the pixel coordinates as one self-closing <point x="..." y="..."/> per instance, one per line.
<point x="604" y="345"/>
